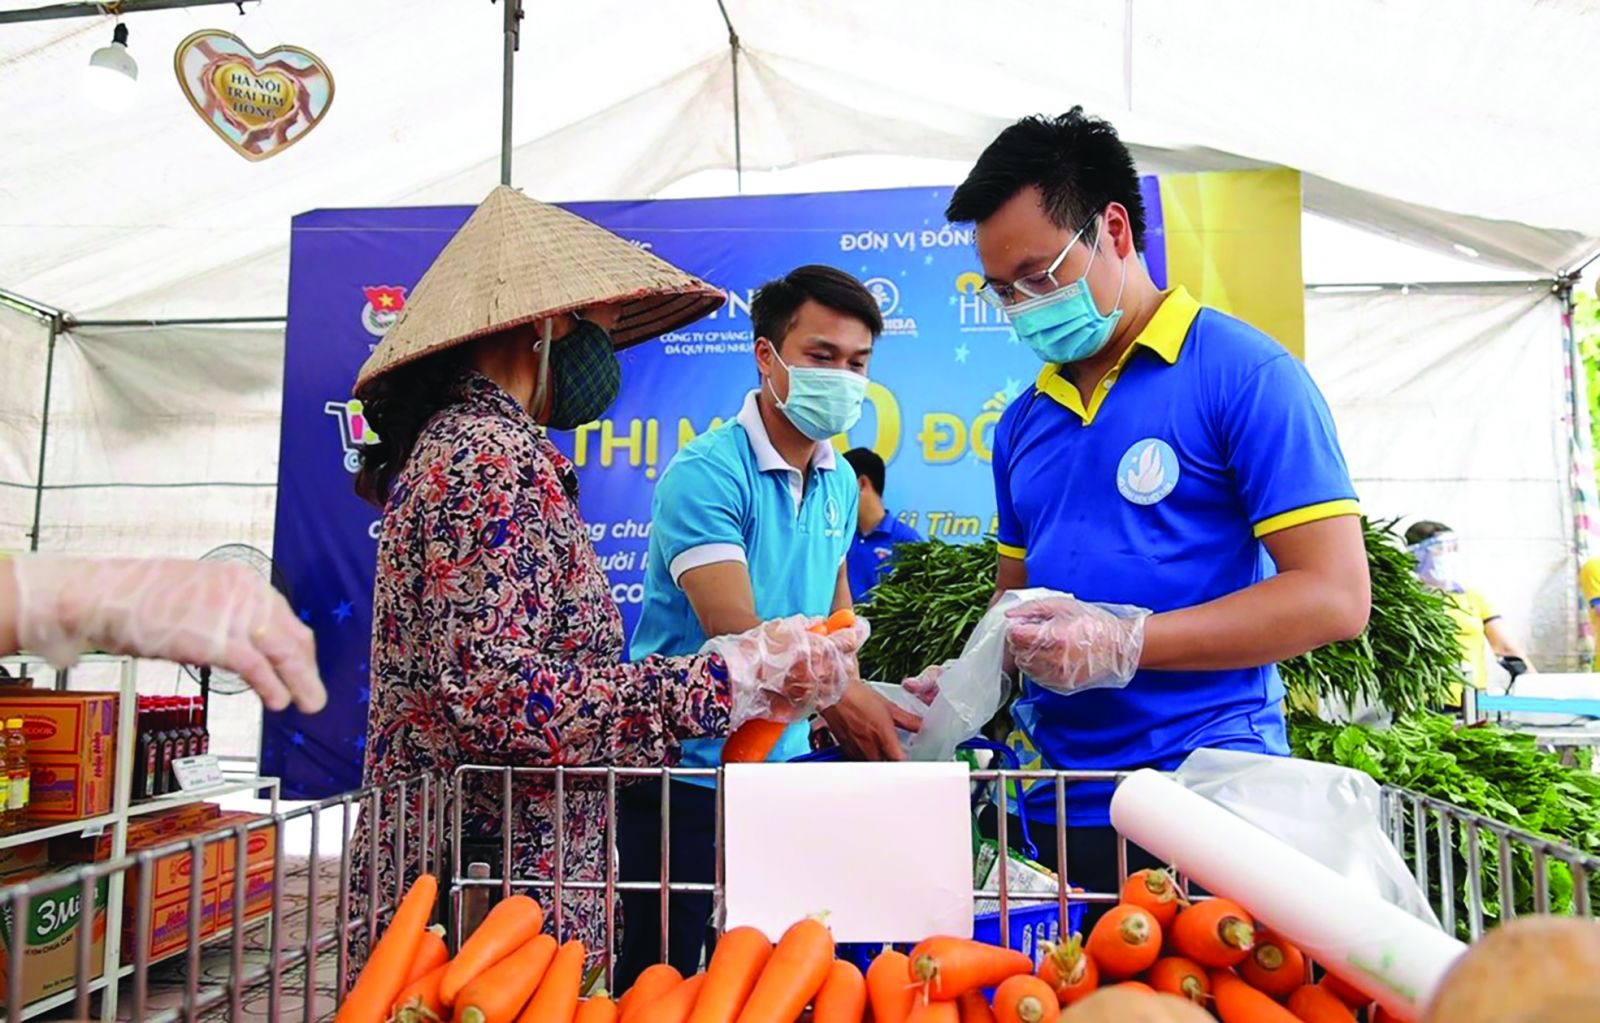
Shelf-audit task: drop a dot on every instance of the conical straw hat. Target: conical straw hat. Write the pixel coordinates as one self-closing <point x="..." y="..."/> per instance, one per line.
<point x="517" y="260"/>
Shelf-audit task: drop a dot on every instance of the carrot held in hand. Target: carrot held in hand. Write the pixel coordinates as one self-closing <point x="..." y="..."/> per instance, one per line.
<point x="498" y="994"/>
<point x="950" y="967"/>
<point x="597" y="1009"/>
<point x="888" y="990"/>
<point x="793" y="975"/>
<point x="672" y="1007"/>
<point x="974" y="1008"/>
<point x="753" y="741"/>
<point x="385" y="974"/>
<point x="556" y="1000"/>
<point x="650" y="985"/>
<point x="1025" y="999"/>
<point x="419" y="1002"/>
<point x="843" y="998"/>
<point x="431" y="954"/>
<point x="736" y="965"/>
<point x="511" y="924"/>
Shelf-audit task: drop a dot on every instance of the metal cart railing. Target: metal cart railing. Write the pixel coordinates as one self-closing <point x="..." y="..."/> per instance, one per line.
<point x="331" y="897"/>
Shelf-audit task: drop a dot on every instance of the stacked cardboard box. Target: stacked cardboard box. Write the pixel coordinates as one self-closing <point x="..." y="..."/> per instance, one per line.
<point x="72" y="740"/>
<point x="51" y="936"/>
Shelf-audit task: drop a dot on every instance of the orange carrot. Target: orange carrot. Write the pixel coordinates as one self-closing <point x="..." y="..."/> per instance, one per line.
<point x="1175" y="975"/>
<point x="1135" y="985"/>
<point x="672" y="1007"/>
<point x="420" y="1002"/>
<point x="1025" y="999"/>
<point x="497" y="994"/>
<point x="556" y="1001"/>
<point x="974" y="1009"/>
<point x="753" y="741"/>
<point x="735" y="967"/>
<point x="597" y="1009"/>
<point x="651" y="984"/>
<point x="1070" y="971"/>
<point x="843" y="998"/>
<point x="934" y="1012"/>
<point x="1274" y="966"/>
<point x="511" y="924"/>
<point x="1214" y="933"/>
<point x="1125" y="942"/>
<point x="385" y="974"/>
<point x="950" y="967"/>
<point x="1238" y="1002"/>
<point x="887" y="990"/>
<point x="1382" y="1015"/>
<point x="793" y="975"/>
<point x="1156" y="891"/>
<point x="431" y="954"/>
<point x="1313" y="1004"/>
<point x="1352" y="996"/>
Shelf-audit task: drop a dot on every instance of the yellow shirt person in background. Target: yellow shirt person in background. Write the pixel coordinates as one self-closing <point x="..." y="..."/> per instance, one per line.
<point x="1479" y="628"/>
<point x="1589" y="582"/>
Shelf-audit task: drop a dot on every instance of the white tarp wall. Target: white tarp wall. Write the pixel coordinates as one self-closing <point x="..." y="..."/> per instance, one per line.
<point x="1447" y="400"/>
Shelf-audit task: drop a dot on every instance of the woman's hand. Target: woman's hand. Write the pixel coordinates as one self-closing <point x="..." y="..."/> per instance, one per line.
<point x="191" y="612"/>
<point x="782" y="671"/>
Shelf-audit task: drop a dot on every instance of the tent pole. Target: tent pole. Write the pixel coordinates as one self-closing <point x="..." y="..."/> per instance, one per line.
<point x="44" y="432"/>
<point x="738" y="135"/>
<point x="53" y="12"/>
<point x="1583" y="483"/>
<point x="202" y="321"/>
<point x="512" y="40"/>
<point x="23" y="304"/>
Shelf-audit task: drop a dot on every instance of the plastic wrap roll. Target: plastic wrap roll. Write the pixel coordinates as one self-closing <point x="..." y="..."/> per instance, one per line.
<point x="1348" y="930"/>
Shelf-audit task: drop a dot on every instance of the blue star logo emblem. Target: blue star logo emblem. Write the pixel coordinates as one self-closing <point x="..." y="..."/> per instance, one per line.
<point x="343" y="611"/>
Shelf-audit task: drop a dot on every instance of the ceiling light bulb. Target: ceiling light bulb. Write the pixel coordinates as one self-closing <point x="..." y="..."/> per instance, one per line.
<point x="111" y="80"/>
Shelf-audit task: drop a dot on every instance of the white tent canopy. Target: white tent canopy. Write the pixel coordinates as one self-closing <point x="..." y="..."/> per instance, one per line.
<point x="1462" y="131"/>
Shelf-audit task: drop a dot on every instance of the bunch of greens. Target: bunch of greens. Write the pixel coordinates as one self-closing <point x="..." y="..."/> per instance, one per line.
<point x="922" y="613"/>
<point x="1498" y="774"/>
<point x="1409" y="655"/>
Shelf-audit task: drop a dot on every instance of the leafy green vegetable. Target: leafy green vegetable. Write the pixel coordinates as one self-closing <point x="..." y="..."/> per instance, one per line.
<point x="1492" y="772"/>
<point x="1408" y="657"/>
<point x="922" y="613"/>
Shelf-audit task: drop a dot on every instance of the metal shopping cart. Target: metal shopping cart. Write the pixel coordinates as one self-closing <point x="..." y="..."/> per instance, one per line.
<point x="291" y="963"/>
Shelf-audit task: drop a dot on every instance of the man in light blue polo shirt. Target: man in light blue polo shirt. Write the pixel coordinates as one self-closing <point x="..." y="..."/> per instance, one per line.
<point x="1174" y="469"/>
<point x="752" y="521"/>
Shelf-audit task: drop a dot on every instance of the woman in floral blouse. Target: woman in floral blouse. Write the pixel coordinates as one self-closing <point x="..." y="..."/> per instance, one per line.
<point x="495" y="638"/>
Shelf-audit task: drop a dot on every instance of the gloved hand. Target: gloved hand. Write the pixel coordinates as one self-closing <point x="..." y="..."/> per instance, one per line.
<point x="190" y="612"/>
<point x="1067" y="645"/>
<point x="925" y="684"/>
<point x="782" y="671"/>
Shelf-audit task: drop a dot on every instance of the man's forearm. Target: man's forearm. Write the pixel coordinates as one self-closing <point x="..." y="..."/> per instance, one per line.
<point x="8" y="609"/>
<point x="1276" y="619"/>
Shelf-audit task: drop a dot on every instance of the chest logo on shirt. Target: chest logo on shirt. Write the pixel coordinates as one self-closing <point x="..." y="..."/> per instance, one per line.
<point x="1148" y="471"/>
<point x="830" y="512"/>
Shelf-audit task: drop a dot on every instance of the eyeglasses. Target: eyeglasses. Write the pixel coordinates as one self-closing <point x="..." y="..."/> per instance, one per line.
<point x="1034" y="285"/>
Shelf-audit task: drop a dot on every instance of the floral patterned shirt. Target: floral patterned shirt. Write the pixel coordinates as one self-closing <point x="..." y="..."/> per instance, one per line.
<point x="496" y="641"/>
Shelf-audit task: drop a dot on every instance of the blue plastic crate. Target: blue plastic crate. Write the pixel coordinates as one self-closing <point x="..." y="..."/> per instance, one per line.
<point x="1029" y="929"/>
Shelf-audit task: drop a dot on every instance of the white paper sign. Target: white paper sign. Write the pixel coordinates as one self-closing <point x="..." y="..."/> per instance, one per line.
<point x="202" y="772"/>
<point x="884" y="849"/>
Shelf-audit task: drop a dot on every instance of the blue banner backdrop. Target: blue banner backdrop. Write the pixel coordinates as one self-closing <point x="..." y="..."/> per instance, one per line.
<point x="945" y="368"/>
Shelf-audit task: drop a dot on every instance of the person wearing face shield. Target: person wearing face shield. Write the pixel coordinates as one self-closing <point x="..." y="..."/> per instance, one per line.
<point x="754" y="520"/>
<point x="495" y="636"/>
<point x="1479" y="627"/>
<point x="1172" y="468"/>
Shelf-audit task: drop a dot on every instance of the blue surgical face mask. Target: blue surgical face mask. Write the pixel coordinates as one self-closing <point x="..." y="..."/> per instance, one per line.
<point x="822" y="402"/>
<point x="1066" y="325"/>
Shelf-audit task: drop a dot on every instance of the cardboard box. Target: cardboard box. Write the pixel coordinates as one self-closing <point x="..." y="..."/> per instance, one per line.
<point x="144" y="832"/>
<point x="169" y="925"/>
<point x="257" y="898"/>
<point x="261" y="847"/>
<point x="50" y="955"/>
<point x="71" y="750"/>
<point x="32" y="856"/>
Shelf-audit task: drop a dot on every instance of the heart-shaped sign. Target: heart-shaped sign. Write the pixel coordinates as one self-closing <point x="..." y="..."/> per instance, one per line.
<point x="260" y="104"/>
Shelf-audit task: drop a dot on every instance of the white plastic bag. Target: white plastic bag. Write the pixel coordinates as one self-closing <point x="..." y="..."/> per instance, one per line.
<point x="1329" y="813"/>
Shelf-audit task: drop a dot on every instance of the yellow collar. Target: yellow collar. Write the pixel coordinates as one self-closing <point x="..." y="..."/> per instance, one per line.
<point x="1164" y="335"/>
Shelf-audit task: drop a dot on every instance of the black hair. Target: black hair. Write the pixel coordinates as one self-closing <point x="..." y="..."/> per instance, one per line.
<point x="1425" y="530"/>
<point x="868" y="466"/>
<point x="1077" y="162"/>
<point x="776" y="304"/>
<point x="398" y="405"/>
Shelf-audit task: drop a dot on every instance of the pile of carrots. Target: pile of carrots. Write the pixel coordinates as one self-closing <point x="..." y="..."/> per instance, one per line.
<point x="1210" y="953"/>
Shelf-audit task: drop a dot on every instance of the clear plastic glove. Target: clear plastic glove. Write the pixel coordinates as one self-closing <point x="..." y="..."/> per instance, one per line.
<point x="190" y="612"/>
<point x="1067" y="645"/>
<point x="925" y="684"/>
<point x="782" y="671"/>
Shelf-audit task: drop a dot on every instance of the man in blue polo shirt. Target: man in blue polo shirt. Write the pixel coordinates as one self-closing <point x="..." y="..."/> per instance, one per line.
<point x="877" y="530"/>
<point x="1174" y="469"/>
<point x="752" y="521"/>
